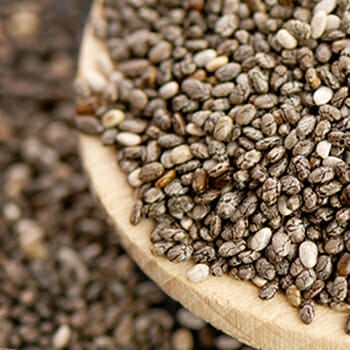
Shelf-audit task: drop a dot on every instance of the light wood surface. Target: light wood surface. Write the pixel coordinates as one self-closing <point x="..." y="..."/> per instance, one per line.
<point x="229" y="305"/>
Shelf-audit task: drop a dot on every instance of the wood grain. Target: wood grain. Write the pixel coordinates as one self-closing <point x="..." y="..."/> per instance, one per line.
<point x="229" y="305"/>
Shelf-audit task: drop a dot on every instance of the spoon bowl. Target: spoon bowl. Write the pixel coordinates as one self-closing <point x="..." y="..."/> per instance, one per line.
<point x="229" y="305"/>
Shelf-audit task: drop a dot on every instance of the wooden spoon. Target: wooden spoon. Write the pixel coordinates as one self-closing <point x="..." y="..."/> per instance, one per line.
<point x="229" y="305"/>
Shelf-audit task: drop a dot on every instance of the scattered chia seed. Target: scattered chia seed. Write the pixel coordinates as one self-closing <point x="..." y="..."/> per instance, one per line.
<point x="65" y="281"/>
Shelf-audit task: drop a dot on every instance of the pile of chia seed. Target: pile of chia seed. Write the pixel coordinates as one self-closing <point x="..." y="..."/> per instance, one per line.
<point x="231" y="120"/>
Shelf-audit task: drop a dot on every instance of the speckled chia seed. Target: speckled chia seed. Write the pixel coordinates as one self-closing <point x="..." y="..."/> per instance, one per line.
<point x="235" y="131"/>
